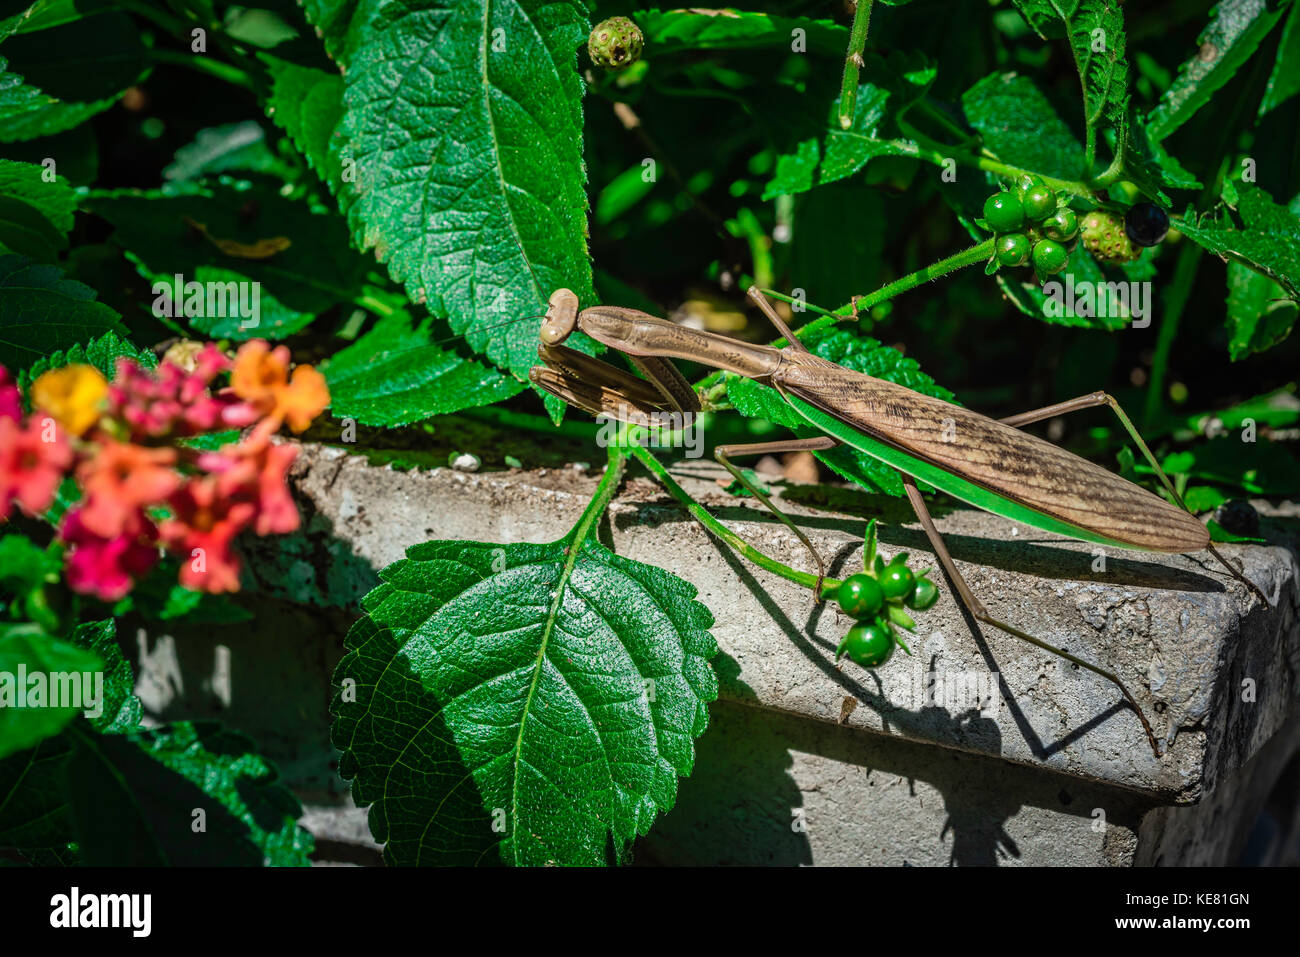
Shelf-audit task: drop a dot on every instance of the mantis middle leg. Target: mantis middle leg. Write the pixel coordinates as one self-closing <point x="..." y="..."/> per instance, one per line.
<point x="980" y="613"/>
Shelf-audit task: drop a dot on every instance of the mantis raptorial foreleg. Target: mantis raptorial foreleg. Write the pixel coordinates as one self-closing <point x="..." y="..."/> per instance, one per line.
<point x="1096" y="399"/>
<point x="980" y="613"/>
<point x="723" y="454"/>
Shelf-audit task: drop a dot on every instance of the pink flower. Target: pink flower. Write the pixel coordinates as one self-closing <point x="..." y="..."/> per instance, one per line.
<point x="11" y="402"/>
<point x="255" y="471"/>
<point x="33" y="461"/>
<point x="202" y="533"/>
<point x="172" y="401"/>
<point x="108" y="567"/>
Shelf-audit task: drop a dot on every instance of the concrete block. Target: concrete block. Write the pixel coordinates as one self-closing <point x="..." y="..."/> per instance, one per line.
<point x="1004" y="751"/>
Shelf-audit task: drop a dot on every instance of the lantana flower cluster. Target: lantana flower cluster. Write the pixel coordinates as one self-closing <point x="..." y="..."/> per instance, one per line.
<point x="144" y="490"/>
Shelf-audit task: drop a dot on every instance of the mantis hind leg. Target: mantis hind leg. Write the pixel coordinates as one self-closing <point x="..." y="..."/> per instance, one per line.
<point x="723" y="454"/>
<point x="980" y="613"/>
<point x="1096" y="399"/>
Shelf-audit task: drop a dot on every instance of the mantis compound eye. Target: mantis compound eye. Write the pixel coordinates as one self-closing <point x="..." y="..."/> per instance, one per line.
<point x="561" y="316"/>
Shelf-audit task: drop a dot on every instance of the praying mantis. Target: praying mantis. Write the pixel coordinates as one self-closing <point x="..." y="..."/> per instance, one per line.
<point x="985" y="462"/>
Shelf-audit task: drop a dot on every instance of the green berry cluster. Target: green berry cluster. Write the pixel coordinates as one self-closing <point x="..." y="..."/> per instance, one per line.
<point x="876" y="597"/>
<point x="1031" y="224"/>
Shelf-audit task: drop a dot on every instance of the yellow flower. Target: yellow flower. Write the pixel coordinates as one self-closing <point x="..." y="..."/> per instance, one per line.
<point x="73" y="395"/>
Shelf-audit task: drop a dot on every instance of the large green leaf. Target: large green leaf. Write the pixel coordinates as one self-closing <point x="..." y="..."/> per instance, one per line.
<point x="854" y="352"/>
<point x="395" y="375"/>
<point x="1020" y="126"/>
<point x="38" y="674"/>
<point x="316" y="271"/>
<point x="532" y="704"/>
<point x="41" y="311"/>
<point x="1235" y="32"/>
<point x="35" y="210"/>
<point x="184" y="794"/>
<point x="1095" y="32"/>
<point x="463" y="125"/>
<point x="1268" y="239"/>
<point x="675" y="31"/>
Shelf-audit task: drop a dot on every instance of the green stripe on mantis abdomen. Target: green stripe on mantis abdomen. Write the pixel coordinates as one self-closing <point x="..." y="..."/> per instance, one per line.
<point x="943" y="480"/>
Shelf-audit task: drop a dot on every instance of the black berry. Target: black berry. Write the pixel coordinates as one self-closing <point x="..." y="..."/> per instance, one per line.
<point x="1146" y="224"/>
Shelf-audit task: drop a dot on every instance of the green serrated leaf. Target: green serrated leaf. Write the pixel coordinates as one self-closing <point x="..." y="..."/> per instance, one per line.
<point x="41" y="312"/>
<point x="463" y="123"/>
<point x="828" y="152"/>
<point x="232" y="147"/>
<point x="1095" y="32"/>
<point x="1259" y="314"/>
<point x="854" y="352"/>
<point x="532" y="704"/>
<point x="35" y="211"/>
<point x="134" y="799"/>
<point x="394" y="375"/>
<point x="675" y="31"/>
<point x="1235" y="31"/>
<point x="102" y="353"/>
<point x="119" y="710"/>
<point x="1019" y="124"/>
<point x="308" y="105"/>
<point x="52" y="80"/>
<point x="1267" y="241"/>
<point x="41" y="685"/>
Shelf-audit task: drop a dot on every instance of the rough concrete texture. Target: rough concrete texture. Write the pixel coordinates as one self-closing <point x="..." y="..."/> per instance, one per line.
<point x="851" y="751"/>
<point x="1181" y="633"/>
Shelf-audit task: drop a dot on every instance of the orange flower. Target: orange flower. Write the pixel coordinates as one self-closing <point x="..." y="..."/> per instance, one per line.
<point x="202" y="533"/>
<point x="74" y="395"/>
<point x="119" y="479"/>
<point x="261" y="377"/>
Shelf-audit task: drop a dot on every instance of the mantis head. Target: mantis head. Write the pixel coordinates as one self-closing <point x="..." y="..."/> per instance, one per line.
<point x="561" y="316"/>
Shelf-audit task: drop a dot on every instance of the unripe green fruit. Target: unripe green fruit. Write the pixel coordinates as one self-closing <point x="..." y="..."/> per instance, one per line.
<point x="1050" y="256"/>
<point x="1003" y="212"/>
<point x="615" y="43"/>
<point x="1013" y="249"/>
<point x="1062" y="225"/>
<point x="1038" y="202"/>
<point x="926" y="594"/>
<point x="1104" y="236"/>
<point x="897" y="581"/>
<point x="869" y="644"/>
<point x="860" y="596"/>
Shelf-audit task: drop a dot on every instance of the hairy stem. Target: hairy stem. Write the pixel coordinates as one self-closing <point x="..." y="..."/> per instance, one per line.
<point x="853" y="63"/>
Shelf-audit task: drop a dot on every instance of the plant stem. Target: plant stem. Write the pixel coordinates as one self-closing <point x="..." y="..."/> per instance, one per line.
<point x="1180" y="291"/>
<point x="646" y="458"/>
<point x="967" y="257"/>
<point x="615" y="467"/>
<point x="853" y="63"/>
<point x="204" y="64"/>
